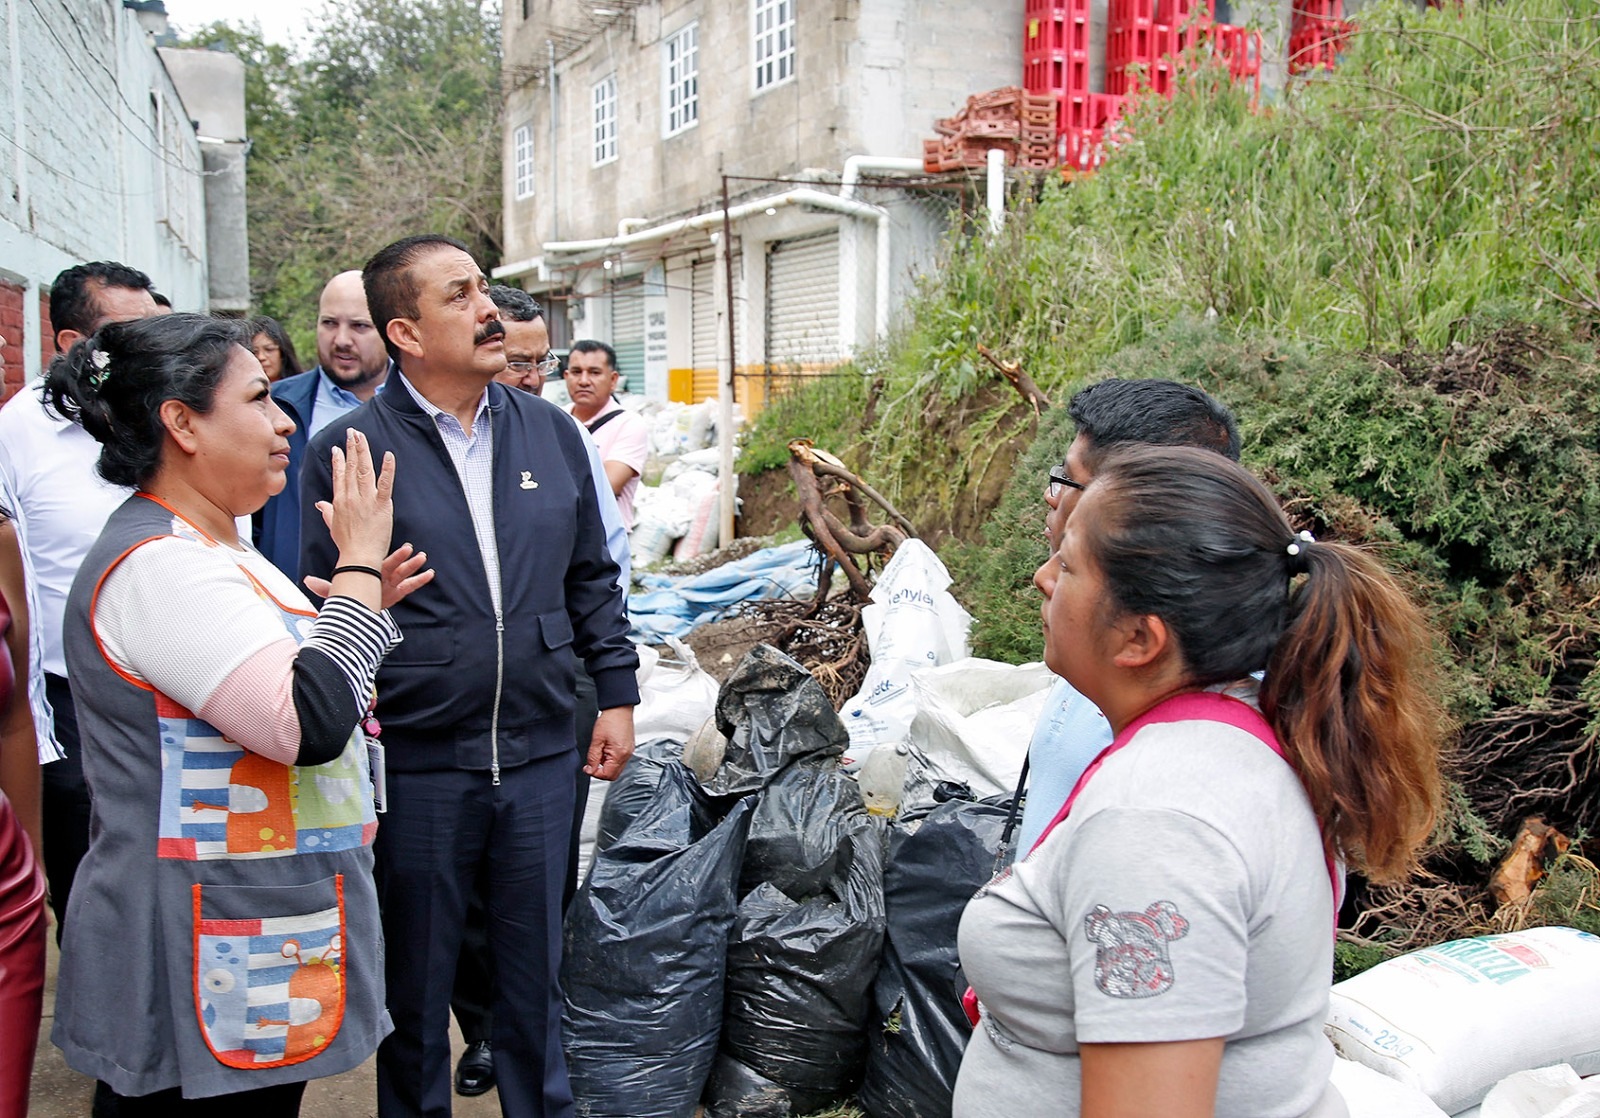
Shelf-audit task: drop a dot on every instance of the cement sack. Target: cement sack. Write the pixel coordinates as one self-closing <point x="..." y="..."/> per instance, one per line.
<point x="973" y="722"/>
<point x="912" y="623"/>
<point x="1371" y="1094"/>
<point x="1454" y="1019"/>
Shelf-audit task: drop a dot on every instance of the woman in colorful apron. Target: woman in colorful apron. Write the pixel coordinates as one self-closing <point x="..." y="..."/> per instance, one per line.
<point x="1166" y="948"/>
<point x="222" y="938"/>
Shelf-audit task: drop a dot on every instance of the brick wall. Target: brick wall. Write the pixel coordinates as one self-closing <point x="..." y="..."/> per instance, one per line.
<point x="11" y="296"/>
<point x="47" y="333"/>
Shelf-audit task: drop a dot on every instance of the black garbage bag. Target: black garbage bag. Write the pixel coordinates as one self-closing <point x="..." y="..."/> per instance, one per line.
<point x="632" y="792"/>
<point x="918" y="1029"/>
<point x="800" y="822"/>
<point x="735" y="1091"/>
<point x="799" y="980"/>
<point x="646" y="952"/>
<point x="772" y="711"/>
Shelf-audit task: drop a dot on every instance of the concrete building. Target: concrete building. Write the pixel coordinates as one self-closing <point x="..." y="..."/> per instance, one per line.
<point x="622" y="118"/>
<point x="102" y="159"/>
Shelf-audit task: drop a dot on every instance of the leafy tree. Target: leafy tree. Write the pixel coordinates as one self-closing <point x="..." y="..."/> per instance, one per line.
<point x="386" y="124"/>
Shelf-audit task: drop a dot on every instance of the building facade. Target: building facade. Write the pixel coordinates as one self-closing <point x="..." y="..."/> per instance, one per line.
<point x="100" y="159"/>
<point x="622" y="121"/>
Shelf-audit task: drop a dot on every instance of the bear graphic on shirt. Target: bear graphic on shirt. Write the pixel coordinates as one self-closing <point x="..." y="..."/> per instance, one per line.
<point x="1131" y="955"/>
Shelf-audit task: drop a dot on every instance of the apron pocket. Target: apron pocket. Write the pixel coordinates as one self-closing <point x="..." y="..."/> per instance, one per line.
<point x="269" y="970"/>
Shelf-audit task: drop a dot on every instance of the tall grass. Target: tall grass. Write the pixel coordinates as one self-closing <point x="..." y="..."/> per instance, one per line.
<point x="1450" y="167"/>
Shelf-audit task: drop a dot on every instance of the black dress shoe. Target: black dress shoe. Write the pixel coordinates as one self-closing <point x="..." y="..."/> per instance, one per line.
<point x="475" y="1071"/>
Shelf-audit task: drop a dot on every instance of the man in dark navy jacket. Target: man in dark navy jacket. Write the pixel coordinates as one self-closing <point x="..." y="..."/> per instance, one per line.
<point x="351" y="365"/>
<point x="476" y="702"/>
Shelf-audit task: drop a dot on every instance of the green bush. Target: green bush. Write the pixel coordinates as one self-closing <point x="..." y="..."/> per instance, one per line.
<point x="1443" y="175"/>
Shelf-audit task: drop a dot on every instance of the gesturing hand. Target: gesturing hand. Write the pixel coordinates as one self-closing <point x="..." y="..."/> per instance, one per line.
<point x="360" y="518"/>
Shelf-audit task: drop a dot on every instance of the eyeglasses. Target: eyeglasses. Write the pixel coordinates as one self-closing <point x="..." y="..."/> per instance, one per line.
<point x="1059" y="480"/>
<point x="548" y="367"/>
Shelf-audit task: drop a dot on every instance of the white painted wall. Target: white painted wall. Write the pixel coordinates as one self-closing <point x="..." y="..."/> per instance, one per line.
<point x="98" y="159"/>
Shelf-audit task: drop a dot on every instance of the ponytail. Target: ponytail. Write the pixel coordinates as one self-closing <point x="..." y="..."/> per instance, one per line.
<point x="1349" y="691"/>
<point x="1188" y="536"/>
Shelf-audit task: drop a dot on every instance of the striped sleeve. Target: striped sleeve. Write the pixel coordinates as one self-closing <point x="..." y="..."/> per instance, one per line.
<point x="355" y="639"/>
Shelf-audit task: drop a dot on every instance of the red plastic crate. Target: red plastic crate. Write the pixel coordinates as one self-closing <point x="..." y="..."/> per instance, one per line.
<point x="1104" y="109"/>
<point x="1056" y="72"/>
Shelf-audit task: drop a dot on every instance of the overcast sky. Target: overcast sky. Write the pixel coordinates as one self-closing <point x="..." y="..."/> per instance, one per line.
<point x="282" y="21"/>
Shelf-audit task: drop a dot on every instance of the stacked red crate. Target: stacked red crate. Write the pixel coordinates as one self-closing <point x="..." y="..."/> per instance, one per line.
<point x="1023" y="125"/>
<point x="1316" y="34"/>
<point x="1055" y="54"/>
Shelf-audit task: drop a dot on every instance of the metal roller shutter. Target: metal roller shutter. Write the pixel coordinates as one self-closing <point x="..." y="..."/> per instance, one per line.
<point x="803" y="301"/>
<point x="703" y="306"/>
<point x="627" y="334"/>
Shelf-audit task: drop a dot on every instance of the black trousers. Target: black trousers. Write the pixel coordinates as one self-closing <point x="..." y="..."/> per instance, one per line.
<point x="65" y="799"/>
<point x="444" y="832"/>
<point x="473" y="996"/>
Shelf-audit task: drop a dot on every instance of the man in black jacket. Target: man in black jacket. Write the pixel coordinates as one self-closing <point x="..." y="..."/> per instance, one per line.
<point x="476" y="702"/>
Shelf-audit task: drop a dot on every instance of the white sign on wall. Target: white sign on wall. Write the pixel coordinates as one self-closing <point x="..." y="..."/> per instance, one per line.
<point x="655" y="333"/>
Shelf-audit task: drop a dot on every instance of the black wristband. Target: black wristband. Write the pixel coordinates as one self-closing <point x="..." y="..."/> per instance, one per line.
<point x="357" y="569"/>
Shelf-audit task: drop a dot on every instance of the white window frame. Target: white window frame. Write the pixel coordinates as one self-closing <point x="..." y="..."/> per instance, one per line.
<point x="680" y="79"/>
<point x="522" y="161"/>
<point x="772" y="25"/>
<point x="603" y="119"/>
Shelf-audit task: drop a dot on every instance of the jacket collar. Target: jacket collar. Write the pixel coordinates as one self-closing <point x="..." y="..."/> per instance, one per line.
<point x="397" y="396"/>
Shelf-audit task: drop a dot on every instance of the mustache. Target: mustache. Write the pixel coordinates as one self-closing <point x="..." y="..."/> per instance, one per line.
<point x="489" y="330"/>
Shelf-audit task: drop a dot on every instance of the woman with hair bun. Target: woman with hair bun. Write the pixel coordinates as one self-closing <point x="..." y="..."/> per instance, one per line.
<point x="1167" y="946"/>
<point x="223" y="937"/>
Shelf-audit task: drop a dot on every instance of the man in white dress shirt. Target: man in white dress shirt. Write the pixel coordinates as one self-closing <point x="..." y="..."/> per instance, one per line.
<point x="62" y="503"/>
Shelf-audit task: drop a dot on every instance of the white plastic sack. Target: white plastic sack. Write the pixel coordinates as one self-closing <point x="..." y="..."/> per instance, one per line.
<point x="973" y="722"/>
<point x="1454" y="1019"/>
<point x="674" y="698"/>
<point x="1371" y="1094"/>
<point x="659" y="517"/>
<point x="912" y="623"/>
<point x="1554" y="1092"/>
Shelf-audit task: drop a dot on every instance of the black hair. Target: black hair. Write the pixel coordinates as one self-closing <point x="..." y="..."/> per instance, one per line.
<point x="159" y="299"/>
<point x="391" y="291"/>
<point x="72" y="295"/>
<point x="272" y="328"/>
<point x="589" y="345"/>
<point x="1154" y="413"/>
<point x="1187" y="536"/>
<point x="114" y="382"/>
<point x="515" y="304"/>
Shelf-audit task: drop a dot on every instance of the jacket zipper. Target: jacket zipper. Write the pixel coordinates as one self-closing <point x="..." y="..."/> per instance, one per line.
<point x="499" y="679"/>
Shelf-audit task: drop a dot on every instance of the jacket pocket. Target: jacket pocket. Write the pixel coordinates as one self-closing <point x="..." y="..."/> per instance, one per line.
<point x="423" y="646"/>
<point x="269" y="970"/>
<point x="556" y="628"/>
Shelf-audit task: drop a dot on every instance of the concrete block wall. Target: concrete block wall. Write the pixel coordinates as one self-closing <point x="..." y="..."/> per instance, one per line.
<point x="870" y="78"/>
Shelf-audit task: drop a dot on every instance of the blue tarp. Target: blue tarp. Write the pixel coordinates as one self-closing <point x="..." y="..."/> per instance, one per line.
<point x="673" y="605"/>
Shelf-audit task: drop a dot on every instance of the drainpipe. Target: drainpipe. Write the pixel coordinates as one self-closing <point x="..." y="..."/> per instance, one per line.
<point x="555" y="198"/>
<point x="997" y="190"/>
<point x="800" y="196"/>
<point x="853" y="166"/>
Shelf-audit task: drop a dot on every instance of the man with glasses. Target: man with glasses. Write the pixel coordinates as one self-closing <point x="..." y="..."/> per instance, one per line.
<point x="623" y="437"/>
<point x="1072" y="731"/>
<point x="529" y="361"/>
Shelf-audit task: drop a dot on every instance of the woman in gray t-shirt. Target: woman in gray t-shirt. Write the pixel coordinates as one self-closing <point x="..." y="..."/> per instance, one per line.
<point x="1167" y="946"/>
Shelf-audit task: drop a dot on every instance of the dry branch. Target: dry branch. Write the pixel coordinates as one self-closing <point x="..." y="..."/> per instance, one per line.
<point x="1021" y="381"/>
<point x="840" y="542"/>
